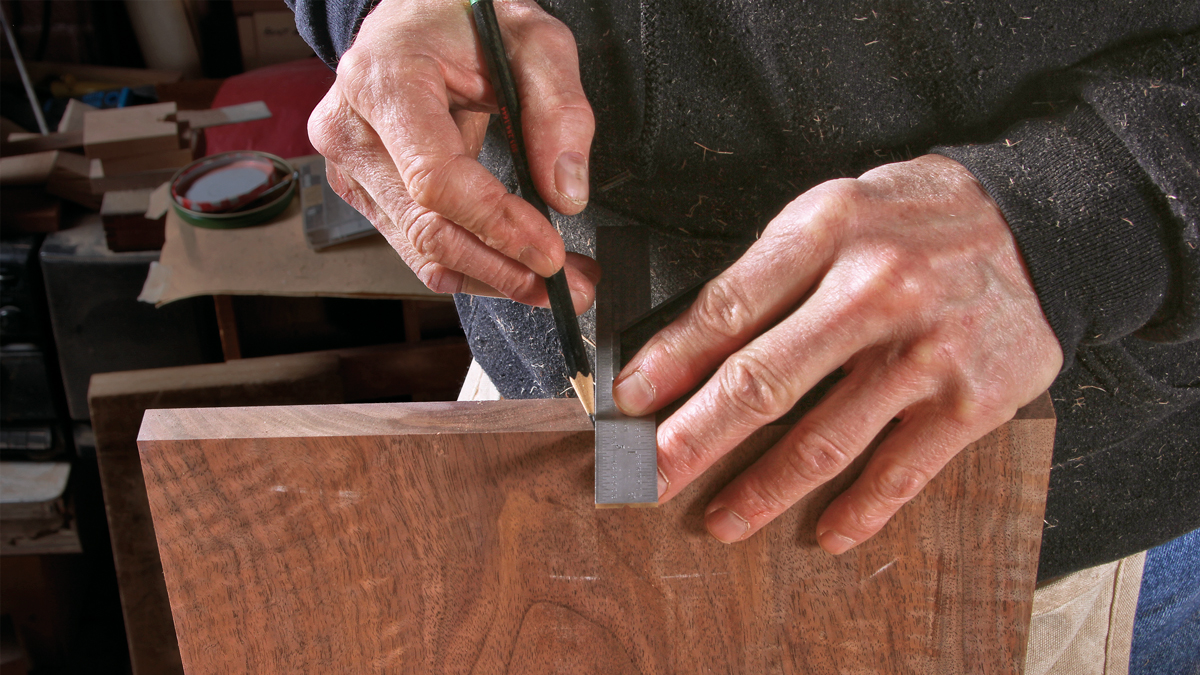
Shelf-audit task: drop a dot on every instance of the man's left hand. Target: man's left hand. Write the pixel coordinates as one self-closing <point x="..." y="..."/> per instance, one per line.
<point x="909" y="279"/>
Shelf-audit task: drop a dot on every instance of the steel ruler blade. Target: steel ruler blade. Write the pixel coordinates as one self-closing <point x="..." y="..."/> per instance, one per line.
<point x="626" y="450"/>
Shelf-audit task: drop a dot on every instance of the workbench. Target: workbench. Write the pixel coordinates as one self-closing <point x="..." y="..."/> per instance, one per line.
<point x="273" y="259"/>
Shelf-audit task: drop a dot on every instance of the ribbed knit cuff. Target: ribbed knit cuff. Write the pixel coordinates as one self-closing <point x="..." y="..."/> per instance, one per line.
<point x="1086" y="220"/>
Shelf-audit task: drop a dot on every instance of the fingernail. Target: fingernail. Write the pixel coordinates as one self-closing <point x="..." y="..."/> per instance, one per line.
<point x="537" y="261"/>
<point x="726" y="525"/>
<point x="634" y="394"/>
<point x="571" y="177"/>
<point x="835" y="543"/>
<point x="579" y="294"/>
<point x="663" y="484"/>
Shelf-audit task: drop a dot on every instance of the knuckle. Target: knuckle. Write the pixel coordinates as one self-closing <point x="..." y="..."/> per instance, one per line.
<point x="816" y="458"/>
<point x="855" y="310"/>
<point x="754" y="386"/>
<point x="338" y="182"/>
<point x="358" y="75"/>
<point x="425" y="180"/>
<point x="977" y="412"/>
<point x="765" y="497"/>
<point x="838" y="198"/>
<point x="523" y="288"/>
<point x="866" y="520"/>
<point x="436" y="277"/>
<point x="897" y="483"/>
<point x="573" y="106"/>
<point x="321" y="131"/>
<point x="828" y="211"/>
<point x="357" y="64"/>
<point x="723" y="308"/>
<point x="361" y="70"/>
<point x="428" y="233"/>
<point x="353" y="194"/>
<point x="885" y="295"/>
<point x="845" y="189"/>
<point x="327" y="127"/>
<point x="899" y="280"/>
<point x="350" y="194"/>
<point x="553" y="36"/>
<point x="497" y="235"/>
<point x="889" y="273"/>
<point x="680" y="452"/>
<point x="890" y="284"/>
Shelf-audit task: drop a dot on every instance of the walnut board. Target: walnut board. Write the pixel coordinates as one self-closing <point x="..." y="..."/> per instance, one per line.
<point x="118" y="401"/>
<point x="462" y="538"/>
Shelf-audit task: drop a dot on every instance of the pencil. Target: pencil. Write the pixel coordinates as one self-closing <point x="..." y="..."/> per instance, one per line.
<point x="579" y="371"/>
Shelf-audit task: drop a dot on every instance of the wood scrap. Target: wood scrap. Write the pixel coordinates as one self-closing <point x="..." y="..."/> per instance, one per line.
<point x="69" y="180"/>
<point x="126" y="225"/>
<point x="31" y="169"/>
<point x="126" y="132"/>
<point x="72" y="118"/>
<point x="57" y="141"/>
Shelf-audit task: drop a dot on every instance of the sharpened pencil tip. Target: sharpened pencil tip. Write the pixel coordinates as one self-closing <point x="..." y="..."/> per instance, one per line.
<point x="585" y="389"/>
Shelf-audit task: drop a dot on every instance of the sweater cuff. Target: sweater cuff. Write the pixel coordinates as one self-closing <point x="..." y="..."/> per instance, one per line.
<point x="1086" y="220"/>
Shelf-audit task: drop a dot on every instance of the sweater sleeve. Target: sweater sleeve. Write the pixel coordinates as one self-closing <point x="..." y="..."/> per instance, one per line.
<point x="329" y="26"/>
<point x="1104" y="197"/>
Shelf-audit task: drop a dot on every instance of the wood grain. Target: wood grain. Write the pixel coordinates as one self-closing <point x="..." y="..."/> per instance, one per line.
<point x="462" y="538"/>
<point x="117" y="402"/>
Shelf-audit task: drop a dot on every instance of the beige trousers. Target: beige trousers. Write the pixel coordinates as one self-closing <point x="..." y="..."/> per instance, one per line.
<point x="1082" y="623"/>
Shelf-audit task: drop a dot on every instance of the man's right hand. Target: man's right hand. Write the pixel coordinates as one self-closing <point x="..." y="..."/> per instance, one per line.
<point x="402" y="126"/>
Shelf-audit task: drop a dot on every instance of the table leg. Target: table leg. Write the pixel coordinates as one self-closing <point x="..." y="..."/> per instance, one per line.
<point x="227" y="326"/>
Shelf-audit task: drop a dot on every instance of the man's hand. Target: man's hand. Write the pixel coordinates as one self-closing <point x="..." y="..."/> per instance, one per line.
<point x="907" y="278"/>
<point x="403" y="124"/>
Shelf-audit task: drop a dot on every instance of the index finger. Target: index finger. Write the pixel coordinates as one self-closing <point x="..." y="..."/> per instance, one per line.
<point x="733" y="308"/>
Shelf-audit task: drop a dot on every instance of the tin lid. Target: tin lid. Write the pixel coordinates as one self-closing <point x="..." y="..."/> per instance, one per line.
<point x="253" y="192"/>
<point x="224" y="182"/>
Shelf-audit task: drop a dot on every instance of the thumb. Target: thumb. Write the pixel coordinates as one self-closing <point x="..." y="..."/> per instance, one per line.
<point x="557" y="119"/>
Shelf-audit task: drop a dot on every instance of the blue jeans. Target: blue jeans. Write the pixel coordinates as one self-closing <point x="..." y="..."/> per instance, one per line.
<point x="1166" y="628"/>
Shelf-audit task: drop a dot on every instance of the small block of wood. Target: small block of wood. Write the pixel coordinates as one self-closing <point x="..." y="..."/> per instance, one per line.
<point x="126" y="227"/>
<point x="125" y="132"/>
<point x="231" y="114"/>
<point x="155" y="161"/>
<point x="23" y="145"/>
<point x="72" y="118"/>
<point x="462" y="537"/>
<point x="32" y="169"/>
<point x="69" y="180"/>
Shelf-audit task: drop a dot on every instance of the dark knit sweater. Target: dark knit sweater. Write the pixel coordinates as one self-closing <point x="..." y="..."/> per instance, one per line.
<point x="1081" y="120"/>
